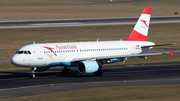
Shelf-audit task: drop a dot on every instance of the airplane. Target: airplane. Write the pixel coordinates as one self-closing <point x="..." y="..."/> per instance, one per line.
<point x="88" y="57"/>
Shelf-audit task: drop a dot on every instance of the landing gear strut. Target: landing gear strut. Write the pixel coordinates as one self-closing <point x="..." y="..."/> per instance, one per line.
<point x="66" y="71"/>
<point x="33" y="69"/>
<point x="99" y="72"/>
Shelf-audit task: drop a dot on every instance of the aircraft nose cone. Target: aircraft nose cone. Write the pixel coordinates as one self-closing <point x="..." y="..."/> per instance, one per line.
<point x="15" y="60"/>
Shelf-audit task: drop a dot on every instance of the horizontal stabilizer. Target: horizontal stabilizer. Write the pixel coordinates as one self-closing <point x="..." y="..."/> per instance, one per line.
<point x="158" y="45"/>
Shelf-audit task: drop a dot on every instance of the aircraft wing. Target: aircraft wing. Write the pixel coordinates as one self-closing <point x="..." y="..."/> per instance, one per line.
<point x="122" y="56"/>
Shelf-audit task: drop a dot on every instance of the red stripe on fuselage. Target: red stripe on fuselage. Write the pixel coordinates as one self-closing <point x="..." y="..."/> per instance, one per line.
<point x="136" y="36"/>
<point x="147" y="11"/>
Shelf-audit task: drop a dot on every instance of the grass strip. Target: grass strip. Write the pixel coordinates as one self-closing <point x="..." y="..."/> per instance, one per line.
<point x="127" y="93"/>
<point x="70" y="9"/>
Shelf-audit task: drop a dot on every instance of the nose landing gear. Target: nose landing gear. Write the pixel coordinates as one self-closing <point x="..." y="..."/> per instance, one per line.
<point x="33" y="69"/>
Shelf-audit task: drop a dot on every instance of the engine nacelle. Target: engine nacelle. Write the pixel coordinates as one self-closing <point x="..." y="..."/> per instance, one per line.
<point x="88" y="66"/>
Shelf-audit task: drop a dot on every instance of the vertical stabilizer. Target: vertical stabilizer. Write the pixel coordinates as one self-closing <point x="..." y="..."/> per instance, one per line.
<point x="140" y="31"/>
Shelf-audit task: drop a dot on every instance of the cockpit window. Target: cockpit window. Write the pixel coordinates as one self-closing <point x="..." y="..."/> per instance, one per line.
<point x="23" y="52"/>
<point x="29" y="52"/>
<point x="20" y="52"/>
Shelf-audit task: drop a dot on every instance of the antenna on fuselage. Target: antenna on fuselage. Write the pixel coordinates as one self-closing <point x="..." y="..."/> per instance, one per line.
<point x="97" y="40"/>
<point x="34" y="42"/>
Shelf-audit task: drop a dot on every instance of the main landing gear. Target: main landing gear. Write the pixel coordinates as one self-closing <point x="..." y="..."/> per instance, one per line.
<point x="66" y="71"/>
<point x="33" y="69"/>
<point x="99" y="72"/>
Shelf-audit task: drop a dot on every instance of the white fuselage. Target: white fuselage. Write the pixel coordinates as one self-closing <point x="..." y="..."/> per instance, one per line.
<point x="63" y="54"/>
<point x="88" y="57"/>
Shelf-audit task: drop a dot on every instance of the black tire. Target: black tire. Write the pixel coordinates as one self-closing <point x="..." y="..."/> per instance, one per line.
<point x="66" y="71"/>
<point x="98" y="73"/>
<point x="32" y="75"/>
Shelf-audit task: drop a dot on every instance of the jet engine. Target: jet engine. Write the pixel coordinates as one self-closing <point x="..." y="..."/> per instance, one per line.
<point x="88" y="66"/>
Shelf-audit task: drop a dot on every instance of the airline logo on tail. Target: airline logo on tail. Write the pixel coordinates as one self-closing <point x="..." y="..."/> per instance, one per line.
<point x="140" y="30"/>
<point x="144" y="21"/>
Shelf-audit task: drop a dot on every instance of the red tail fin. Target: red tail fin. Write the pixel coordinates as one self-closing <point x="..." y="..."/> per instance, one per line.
<point x="140" y="31"/>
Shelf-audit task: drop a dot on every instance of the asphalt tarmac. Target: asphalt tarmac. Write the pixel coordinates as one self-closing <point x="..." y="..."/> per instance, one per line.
<point x="18" y="83"/>
<point x="82" y="22"/>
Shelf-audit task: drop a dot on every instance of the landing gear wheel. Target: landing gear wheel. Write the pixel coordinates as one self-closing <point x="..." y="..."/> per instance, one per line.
<point x="98" y="73"/>
<point x="32" y="75"/>
<point x="66" y="71"/>
<point x="33" y="69"/>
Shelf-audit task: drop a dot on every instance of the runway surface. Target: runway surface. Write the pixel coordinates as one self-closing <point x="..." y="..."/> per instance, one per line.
<point x="18" y="83"/>
<point x="82" y="22"/>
